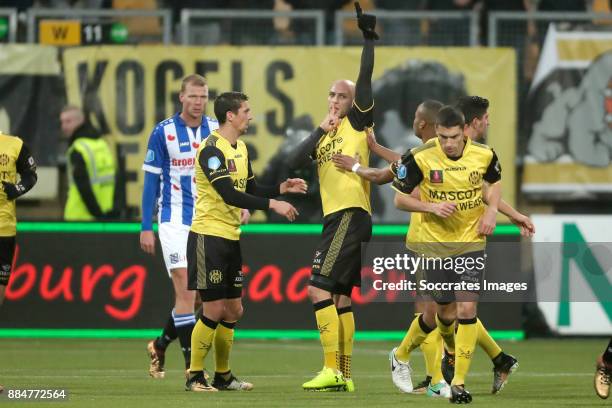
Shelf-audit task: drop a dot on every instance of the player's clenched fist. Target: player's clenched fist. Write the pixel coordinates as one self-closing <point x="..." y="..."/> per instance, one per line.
<point x="284" y="208"/>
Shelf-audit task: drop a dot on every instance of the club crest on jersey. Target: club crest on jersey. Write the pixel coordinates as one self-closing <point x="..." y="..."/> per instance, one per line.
<point x="436" y="176"/>
<point x="214" y="163"/>
<point x="231" y="165"/>
<point x="475" y="177"/>
<point x="401" y="172"/>
<point x="171" y="137"/>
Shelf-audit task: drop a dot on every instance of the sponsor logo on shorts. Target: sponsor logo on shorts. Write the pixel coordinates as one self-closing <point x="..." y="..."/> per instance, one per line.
<point x="238" y="280"/>
<point x="176" y="258"/>
<point x="215" y="276"/>
<point x="5" y="271"/>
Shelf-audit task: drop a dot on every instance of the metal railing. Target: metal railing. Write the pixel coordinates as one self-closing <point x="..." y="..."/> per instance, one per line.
<point x="35" y="13"/>
<point x="439" y="33"/>
<point x="11" y="16"/>
<point x="498" y="18"/>
<point x="188" y="16"/>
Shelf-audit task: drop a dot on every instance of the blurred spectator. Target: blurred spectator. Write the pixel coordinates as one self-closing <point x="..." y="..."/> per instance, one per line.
<point x="400" y="31"/>
<point x="91" y="169"/>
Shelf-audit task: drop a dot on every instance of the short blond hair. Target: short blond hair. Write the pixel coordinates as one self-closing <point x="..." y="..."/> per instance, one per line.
<point x="193" y="79"/>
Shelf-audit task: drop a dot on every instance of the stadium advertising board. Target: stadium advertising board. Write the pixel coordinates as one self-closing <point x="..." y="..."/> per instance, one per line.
<point x="569" y="117"/>
<point x="104" y="280"/>
<point x="31" y="98"/>
<point x="580" y="262"/>
<point x="126" y="90"/>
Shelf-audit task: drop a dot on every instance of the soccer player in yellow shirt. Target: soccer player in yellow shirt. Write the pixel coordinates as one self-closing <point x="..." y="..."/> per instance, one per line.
<point x="225" y="184"/>
<point x="453" y="228"/>
<point x="345" y="197"/>
<point x="18" y="176"/>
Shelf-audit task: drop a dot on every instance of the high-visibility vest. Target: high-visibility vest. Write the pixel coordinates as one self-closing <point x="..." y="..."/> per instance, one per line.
<point x="101" y="171"/>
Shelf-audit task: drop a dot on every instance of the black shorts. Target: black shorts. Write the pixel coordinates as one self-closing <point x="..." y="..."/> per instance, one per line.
<point x="336" y="266"/>
<point x="214" y="267"/>
<point x="466" y="276"/>
<point x="7" y="251"/>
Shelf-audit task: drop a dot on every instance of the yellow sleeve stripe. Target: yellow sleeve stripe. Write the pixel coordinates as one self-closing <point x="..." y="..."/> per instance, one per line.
<point x="400" y="191"/>
<point x="251" y="178"/>
<point x="219" y="178"/>
<point x="363" y="110"/>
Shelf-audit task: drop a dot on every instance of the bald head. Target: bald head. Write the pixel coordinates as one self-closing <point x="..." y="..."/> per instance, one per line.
<point x="425" y="119"/>
<point x="340" y="98"/>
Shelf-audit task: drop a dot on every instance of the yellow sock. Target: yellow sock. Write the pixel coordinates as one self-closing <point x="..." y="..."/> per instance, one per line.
<point x="328" y="324"/>
<point x="201" y="341"/>
<point x="486" y="342"/>
<point x="346" y="334"/>
<point x="447" y="331"/>
<point x="432" y="352"/>
<point x="467" y="334"/>
<point x="224" y="339"/>
<point x="436" y="375"/>
<point x="416" y="334"/>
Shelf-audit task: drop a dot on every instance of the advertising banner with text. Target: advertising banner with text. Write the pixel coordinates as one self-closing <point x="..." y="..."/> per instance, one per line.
<point x="104" y="280"/>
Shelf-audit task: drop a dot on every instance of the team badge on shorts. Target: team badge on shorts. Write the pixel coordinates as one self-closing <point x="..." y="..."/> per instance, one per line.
<point x="215" y="276"/>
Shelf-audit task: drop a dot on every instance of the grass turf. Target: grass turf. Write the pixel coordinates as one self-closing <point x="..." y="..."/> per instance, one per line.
<point x="113" y="373"/>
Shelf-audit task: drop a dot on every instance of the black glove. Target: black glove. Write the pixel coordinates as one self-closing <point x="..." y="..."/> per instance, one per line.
<point x="12" y="190"/>
<point x="366" y="23"/>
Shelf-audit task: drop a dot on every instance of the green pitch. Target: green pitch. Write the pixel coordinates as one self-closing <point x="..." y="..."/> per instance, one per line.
<point x="113" y="373"/>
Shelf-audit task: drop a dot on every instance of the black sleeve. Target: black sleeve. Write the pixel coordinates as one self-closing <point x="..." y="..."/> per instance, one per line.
<point x="361" y="114"/>
<point x="394" y="166"/>
<point x="409" y="174"/>
<point x="303" y="154"/>
<point x="260" y="190"/>
<point x="493" y="173"/>
<point x="212" y="162"/>
<point x="26" y="167"/>
<point x="81" y="180"/>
